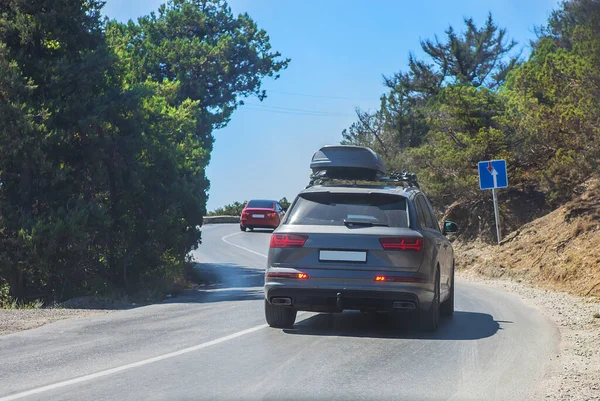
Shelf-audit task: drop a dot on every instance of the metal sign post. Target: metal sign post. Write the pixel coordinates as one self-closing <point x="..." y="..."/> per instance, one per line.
<point x="498" y="235"/>
<point x="492" y="175"/>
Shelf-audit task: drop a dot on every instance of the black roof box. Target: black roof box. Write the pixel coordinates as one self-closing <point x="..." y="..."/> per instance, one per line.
<point x="348" y="162"/>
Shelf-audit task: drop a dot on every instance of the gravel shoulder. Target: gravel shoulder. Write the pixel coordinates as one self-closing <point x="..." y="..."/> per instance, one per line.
<point x="13" y="320"/>
<point x="574" y="374"/>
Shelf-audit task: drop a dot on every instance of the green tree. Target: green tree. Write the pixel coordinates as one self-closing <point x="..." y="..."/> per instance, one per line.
<point x="477" y="57"/>
<point x="106" y="192"/>
<point x="471" y="100"/>
<point x="570" y="16"/>
<point x="465" y="128"/>
<point x="553" y="102"/>
<point x="233" y="209"/>
<point x="51" y="212"/>
<point x="195" y="61"/>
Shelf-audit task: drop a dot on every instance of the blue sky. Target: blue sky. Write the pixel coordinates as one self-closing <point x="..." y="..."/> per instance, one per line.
<point x="339" y="49"/>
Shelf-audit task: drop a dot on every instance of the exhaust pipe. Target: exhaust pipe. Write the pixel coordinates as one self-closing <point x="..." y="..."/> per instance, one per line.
<point x="404" y="305"/>
<point x="281" y="301"/>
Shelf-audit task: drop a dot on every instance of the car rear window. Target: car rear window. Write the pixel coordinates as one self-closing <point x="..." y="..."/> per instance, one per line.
<point x="261" y="204"/>
<point x="332" y="209"/>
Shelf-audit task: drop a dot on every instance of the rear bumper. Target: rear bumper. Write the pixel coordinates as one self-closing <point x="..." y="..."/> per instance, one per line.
<point x="343" y="298"/>
<point x="259" y="223"/>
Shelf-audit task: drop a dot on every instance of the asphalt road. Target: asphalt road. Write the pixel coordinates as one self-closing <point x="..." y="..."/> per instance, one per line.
<point x="214" y="344"/>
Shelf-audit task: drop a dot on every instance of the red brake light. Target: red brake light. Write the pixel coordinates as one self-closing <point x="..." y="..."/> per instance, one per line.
<point x="379" y="278"/>
<point x="287" y="241"/>
<point x="301" y="276"/>
<point x="402" y="243"/>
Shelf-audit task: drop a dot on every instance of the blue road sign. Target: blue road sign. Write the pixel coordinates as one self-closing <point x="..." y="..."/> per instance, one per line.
<point x="492" y="174"/>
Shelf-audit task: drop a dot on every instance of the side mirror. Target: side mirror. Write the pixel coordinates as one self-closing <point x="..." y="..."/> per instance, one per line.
<point x="450" y="228"/>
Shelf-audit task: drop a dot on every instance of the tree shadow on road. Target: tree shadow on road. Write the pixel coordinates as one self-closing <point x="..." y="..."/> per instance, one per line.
<point x="224" y="282"/>
<point x="228" y="275"/>
<point x="462" y="326"/>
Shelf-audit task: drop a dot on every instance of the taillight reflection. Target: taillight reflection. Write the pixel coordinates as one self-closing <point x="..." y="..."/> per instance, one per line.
<point x="288" y="241"/>
<point x="402" y="243"/>
<point x="399" y="279"/>
<point x="300" y="276"/>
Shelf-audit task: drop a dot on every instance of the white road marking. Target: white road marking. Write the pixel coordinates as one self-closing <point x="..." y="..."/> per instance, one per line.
<point x="224" y="239"/>
<point x="107" y="372"/>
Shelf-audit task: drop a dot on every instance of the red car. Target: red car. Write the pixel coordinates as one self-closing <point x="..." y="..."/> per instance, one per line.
<point x="261" y="214"/>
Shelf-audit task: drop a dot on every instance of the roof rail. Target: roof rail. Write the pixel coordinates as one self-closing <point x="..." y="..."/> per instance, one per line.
<point x="404" y="176"/>
<point x="320" y="177"/>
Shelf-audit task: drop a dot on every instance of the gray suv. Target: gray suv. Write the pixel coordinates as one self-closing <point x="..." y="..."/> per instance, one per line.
<point x="356" y="240"/>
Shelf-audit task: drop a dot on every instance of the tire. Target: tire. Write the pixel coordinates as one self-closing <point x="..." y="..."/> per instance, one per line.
<point x="242" y="228"/>
<point x="279" y="317"/>
<point x="251" y="228"/>
<point x="447" y="307"/>
<point x="430" y="319"/>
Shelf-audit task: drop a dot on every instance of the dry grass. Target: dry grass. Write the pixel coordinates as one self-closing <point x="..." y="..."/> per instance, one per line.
<point x="560" y="250"/>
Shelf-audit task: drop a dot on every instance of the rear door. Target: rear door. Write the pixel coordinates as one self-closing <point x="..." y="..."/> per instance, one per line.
<point x="366" y="234"/>
<point x="446" y="250"/>
<point x="430" y="228"/>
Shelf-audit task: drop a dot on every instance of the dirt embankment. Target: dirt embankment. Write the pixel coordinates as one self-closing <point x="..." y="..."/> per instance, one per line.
<point x="559" y="251"/>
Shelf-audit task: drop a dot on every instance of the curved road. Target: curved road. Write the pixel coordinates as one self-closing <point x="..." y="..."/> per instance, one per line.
<point x="213" y="344"/>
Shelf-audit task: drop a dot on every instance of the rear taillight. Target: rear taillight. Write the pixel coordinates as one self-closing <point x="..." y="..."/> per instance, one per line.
<point x="300" y="276"/>
<point x="287" y="241"/>
<point x="402" y="243"/>
<point x="399" y="279"/>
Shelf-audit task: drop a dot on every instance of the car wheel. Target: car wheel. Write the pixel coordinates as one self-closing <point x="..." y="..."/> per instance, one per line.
<point x="242" y="228"/>
<point x="431" y="317"/>
<point x="447" y="307"/>
<point x="279" y="316"/>
<point x="251" y="228"/>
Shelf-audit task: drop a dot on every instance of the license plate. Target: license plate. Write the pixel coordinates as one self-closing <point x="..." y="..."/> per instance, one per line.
<point x="258" y="216"/>
<point x="343" y="256"/>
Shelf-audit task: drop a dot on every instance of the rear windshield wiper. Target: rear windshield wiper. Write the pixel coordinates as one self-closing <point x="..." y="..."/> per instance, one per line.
<point x="348" y="223"/>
